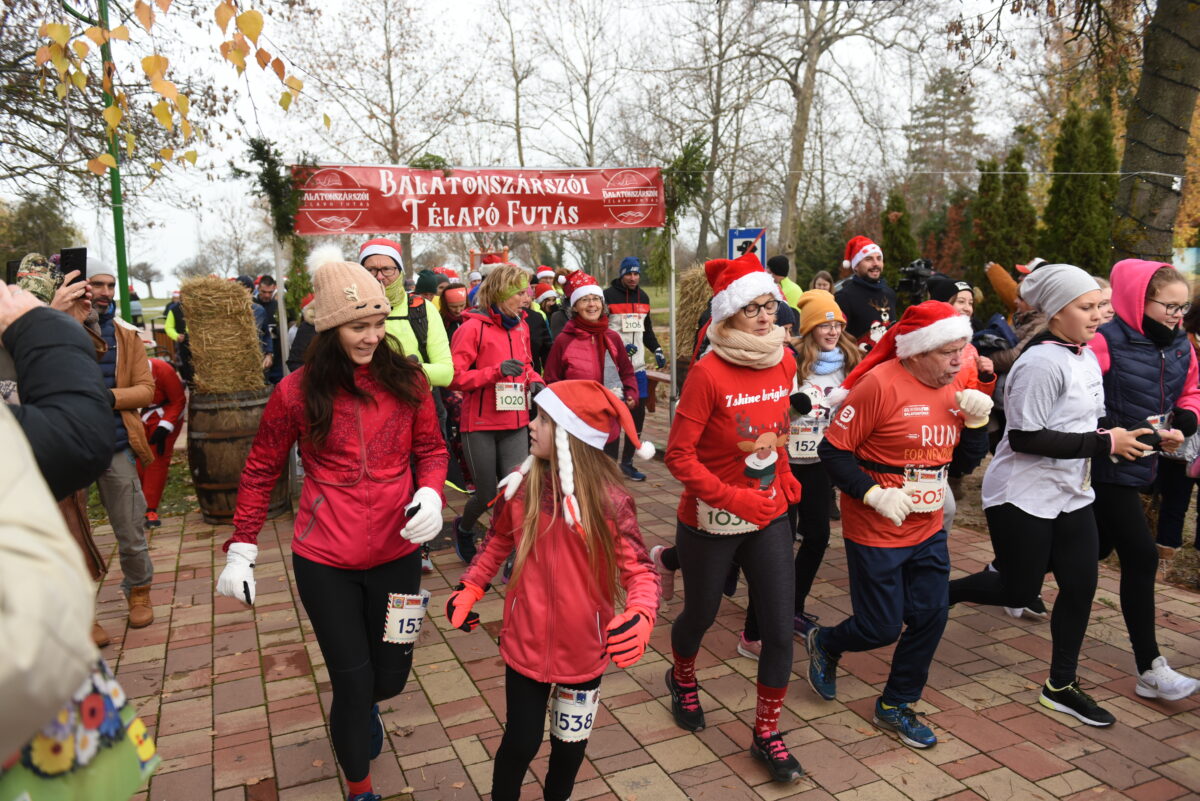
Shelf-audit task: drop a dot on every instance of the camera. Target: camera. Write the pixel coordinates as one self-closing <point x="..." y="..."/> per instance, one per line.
<point x="913" y="277"/>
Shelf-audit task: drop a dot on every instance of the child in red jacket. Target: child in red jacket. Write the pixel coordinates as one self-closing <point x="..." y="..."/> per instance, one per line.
<point x="577" y="547"/>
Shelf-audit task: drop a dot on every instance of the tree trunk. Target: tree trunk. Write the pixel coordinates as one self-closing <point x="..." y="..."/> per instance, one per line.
<point x="803" y="95"/>
<point x="1156" y="134"/>
<point x="714" y="142"/>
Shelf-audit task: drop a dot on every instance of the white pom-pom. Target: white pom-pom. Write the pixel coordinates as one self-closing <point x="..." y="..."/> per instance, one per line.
<point x="645" y="450"/>
<point x="320" y="256"/>
<point x="835" y="397"/>
<point x="513" y="480"/>
<point x="562" y="279"/>
<point x="845" y="264"/>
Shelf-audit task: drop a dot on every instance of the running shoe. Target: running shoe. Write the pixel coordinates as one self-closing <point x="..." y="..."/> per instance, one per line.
<point x="426" y="562"/>
<point x="1035" y="611"/>
<point x="666" y="576"/>
<point x="376" y="732"/>
<point x="1160" y="681"/>
<point x="1074" y="701"/>
<point x="631" y="472"/>
<point x="685" y="703"/>
<point x="457" y="488"/>
<point x="464" y="543"/>
<point x="802" y="622"/>
<point x="822" y="668"/>
<point x="775" y="755"/>
<point x="751" y="649"/>
<point x="901" y="720"/>
<point x="368" y="796"/>
<point x="152" y="520"/>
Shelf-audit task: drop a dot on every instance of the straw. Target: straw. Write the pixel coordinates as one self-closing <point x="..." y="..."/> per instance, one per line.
<point x="224" y="341"/>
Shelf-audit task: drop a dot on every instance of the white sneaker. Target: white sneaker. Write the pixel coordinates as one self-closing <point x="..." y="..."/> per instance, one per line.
<point x="1160" y="681"/>
<point x="666" y="578"/>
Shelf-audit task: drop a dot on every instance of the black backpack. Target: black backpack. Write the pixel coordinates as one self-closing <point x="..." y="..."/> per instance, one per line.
<point x="418" y="320"/>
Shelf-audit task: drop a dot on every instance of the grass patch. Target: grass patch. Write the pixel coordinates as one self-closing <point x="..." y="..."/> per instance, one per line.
<point x="178" y="496"/>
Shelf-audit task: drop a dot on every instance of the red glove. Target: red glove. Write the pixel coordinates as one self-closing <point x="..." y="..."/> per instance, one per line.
<point x="628" y="634"/>
<point x="791" y="487"/>
<point x="458" y="606"/>
<point x="752" y="505"/>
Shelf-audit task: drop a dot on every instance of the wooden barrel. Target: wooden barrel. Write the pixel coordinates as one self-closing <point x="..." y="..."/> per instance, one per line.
<point x="221" y="429"/>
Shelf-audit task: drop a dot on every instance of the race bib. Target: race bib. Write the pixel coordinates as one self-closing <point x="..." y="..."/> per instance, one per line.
<point x="926" y="486"/>
<point x="404" y="617"/>
<point x="632" y="324"/>
<point x="510" y="397"/>
<point x="719" y="521"/>
<point x="805" y="436"/>
<point x="572" y="713"/>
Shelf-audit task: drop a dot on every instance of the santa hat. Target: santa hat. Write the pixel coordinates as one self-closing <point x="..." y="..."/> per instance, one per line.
<point x="545" y="273"/>
<point x="586" y="410"/>
<point x="737" y="282"/>
<point x="548" y="293"/>
<point x="579" y="285"/>
<point x="381" y="247"/>
<point x="922" y="328"/>
<point x="490" y="262"/>
<point x="474" y="275"/>
<point x="857" y="249"/>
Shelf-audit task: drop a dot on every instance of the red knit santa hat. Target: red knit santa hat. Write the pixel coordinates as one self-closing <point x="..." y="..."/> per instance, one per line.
<point x="922" y="328"/>
<point x="736" y="282"/>
<point x="489" y="262"/>
<point x="545" y="273"/>
<point x="381" y="246"/>
<point x="579" y="285"/>
<point x="585" y="410"/>
<point x="857" y="249"/>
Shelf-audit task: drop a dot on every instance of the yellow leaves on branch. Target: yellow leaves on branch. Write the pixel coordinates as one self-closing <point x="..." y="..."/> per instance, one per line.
<point x="155" y="66"/>
<point x="112" y="117"/>
<point x="162" y="113"/>
<point x="285" y="100"/>
<point x="101" y="163"/>
<point x="144" y="13"/>
<point x="223" y="13"/>
<point x="56" y="32"/>
<point x="250" y="23"/>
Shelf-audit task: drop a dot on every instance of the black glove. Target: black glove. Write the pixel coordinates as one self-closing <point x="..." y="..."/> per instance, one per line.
<point x="159" y="439"/>
<point x="802" y="403"/>
<point x="535" y="387"/>
<point x="512" y="367"/>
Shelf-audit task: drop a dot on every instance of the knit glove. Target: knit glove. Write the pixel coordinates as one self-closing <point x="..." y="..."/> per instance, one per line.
<point x="237" y="579"/>
<point x="975" y="406"/>
<point x="628" y="635"/>
<point x="424" y="517"/>
<point x="512" y="367"/>
<point x="791" y="488"/>
<point x="158" y="439"/>
<point x="660" y="357"/>
<point x="630" y="349"/>
<point x="893" y="503"/>
<point x="752" y="505"/>
<point x="458" y="606"/>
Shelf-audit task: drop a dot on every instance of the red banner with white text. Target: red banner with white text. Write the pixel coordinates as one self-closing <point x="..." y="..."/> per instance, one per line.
<point x="385" y="200"/>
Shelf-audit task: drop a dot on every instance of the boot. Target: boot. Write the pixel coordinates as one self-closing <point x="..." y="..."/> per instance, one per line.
<point x="99" y="635"/>
<point x="141" y="613"/>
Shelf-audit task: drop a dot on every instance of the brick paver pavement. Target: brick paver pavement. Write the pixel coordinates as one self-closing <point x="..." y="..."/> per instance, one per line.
<point x="238" y="699"/>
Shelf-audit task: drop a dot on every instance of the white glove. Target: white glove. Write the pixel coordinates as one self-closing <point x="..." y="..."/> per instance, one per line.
<point x="892" y="503"/>
<point x="425" y="521"/>
<point x="237" y="579"/>
<point x="975" y="406"/>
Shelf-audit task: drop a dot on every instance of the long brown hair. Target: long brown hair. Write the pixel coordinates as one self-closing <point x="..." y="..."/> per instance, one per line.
<point x="594" y="474"/>
<point x="806" y="357"/>
<point x="328" y="371"/>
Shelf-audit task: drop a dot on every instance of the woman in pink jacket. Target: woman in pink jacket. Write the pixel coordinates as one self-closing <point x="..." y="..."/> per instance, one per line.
<point x="361" y="414"/>
<point x="493" y="368"/>
<point x="587" y="348"/>
<point x="578" y="547"/>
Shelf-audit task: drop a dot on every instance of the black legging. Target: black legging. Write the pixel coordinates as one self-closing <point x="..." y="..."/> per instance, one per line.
<point x="1024" y="545"/>
<point x="764" y="556"/>
<point x="347" y="609"/>
<point x="526" y="702"/>
<point x="810" y="518"/>
<point x="1122" y="525"/>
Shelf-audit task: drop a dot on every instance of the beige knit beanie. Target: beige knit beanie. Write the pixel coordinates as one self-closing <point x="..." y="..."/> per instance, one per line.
<point x="342" y="290"/>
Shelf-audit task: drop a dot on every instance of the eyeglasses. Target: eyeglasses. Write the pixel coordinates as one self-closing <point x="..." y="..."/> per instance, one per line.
<point x="752" y="309"/>
<point x="829" y="328"/>
<point x="378" y="271"/>
<point x="1173" y="309"/>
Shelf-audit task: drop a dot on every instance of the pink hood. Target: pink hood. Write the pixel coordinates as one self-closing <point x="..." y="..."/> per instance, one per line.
<point x="1130" y="277"/>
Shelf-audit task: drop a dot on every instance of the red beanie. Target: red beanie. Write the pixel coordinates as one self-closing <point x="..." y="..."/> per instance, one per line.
<point x="381" y="246"/>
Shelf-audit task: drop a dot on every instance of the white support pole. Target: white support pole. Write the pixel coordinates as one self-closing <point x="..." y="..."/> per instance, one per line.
<point x="280" y="308"/>
<point x="673" y="338"/>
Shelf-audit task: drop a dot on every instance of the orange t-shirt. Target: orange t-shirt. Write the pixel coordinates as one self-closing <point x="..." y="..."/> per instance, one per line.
<point x="891" y="418"/>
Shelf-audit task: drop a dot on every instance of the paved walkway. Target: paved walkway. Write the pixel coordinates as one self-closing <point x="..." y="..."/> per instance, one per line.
<point x="238" y="700"/>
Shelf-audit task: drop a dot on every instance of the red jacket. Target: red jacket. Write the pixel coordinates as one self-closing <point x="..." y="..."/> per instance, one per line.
<point x="578" y="354"/>
<point x="478" y="347"/>
<point x="555" y="615"/>
<point x="357" y="485"/>
<point x="170" y="400"/>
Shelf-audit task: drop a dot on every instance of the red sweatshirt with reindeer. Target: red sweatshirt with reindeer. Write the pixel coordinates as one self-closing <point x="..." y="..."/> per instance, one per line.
<point x="729" y="421"/>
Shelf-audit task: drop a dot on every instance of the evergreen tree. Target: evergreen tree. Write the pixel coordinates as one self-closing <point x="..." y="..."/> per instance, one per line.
<point x="1104" y="160"/>
<point x="986" y="223"/>
<point x="899" y="245"/>
<point x="942" y="141"/>
<point x="1077" y="219"/>
<point x="1018" y="219"/>
<point x="820" y="242"/>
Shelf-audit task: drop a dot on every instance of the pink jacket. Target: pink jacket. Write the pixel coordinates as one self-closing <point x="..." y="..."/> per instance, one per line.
<point x="576" y="354"/>
<point x="356" y="485"/>
<point x="479" y="345"/>
<point x="556" y="615"/>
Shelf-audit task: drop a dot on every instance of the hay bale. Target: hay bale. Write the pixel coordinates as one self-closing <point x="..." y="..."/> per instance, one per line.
<point x="694" y="294"/>
<point x="226" y="353"/>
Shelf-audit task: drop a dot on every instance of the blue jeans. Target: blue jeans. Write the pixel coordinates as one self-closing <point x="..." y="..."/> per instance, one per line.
<point x="897" y="593"/>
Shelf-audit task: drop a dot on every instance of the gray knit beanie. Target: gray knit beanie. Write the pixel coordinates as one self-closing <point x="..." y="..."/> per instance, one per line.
<point x="1051" y="287"/>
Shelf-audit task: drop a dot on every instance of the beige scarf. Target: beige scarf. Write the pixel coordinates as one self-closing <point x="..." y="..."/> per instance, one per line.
<point x="747" y="350"/>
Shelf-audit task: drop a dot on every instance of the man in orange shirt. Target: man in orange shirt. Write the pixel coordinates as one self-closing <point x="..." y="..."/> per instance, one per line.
<point x="888" y="450"/>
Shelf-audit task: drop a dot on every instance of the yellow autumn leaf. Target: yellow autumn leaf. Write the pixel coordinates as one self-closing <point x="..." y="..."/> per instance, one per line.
<point x="164" y="88"/>
<point x="250" y="23"/>
<point x="155" y="65"/>
<point x="57" y="32"/>
<point x="107" y="160"/>
<point x="190" y="156"/>
<point x="237" y="58"/>
<point x="113" y="115"/>
<point x="224" y="13"/>
<point x="163" y="5"/>
<point x="157" y="166"/>
<point x="120" y="32"/>
<point x="129" y="140"/>
<point x="61" y="90"/>
<point x="294" y="83"/>
<point x="144" y="13"/>
<point x="123" y="101"/>
<point x="42" y="55"/>
<point x="79" y="78"/>
<point x="263" y="58"/>
<point x="60" y="63"/>
<point x="96" y="166"/>
<point x="166" y="154"/>
<point x="185" y="128"/>
<point x="162" y="113"/>
<point x="81" y="48"/>
<point x="183" y="104"/>
<point x="325" y="119"/>
<point x="285" y="100"/>
<point x="277" y="66"/>
<point x="96" y="34"/>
